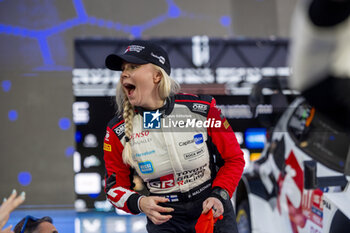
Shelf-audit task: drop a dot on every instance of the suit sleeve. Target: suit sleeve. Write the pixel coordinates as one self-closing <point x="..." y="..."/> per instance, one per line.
<point x="119" y="176"/>
<point x="228" y="148"/>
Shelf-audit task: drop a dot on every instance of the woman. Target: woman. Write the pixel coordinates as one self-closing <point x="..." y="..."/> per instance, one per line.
<point x="31" y="224"/>
<point x="174" y="142"/>
<point x="8" y="205"/>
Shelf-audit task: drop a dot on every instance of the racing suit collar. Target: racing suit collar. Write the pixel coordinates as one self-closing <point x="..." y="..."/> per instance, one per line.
<point x="165" y="110"/>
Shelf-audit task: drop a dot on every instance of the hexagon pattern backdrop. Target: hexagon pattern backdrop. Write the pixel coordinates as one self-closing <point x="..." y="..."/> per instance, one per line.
<point x="36" y="60"/>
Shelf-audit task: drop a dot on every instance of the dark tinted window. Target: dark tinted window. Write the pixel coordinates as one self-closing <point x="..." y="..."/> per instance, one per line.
<point x="319" y="137"/>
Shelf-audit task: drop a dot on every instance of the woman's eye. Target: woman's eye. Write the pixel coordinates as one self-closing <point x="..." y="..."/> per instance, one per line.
<point x="129" y="67"/>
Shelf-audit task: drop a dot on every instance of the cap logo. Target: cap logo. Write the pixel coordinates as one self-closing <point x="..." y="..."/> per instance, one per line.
<point x="160" y="58"/>
<point x="134" y="48"/>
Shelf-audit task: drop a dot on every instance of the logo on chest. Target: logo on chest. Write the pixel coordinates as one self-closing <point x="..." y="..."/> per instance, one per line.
<point x="194" y="154"/>
<point x="145" y="153"/>
<point x="197" y="139"/>
<point x="146" y="167"/>
<point x="163" y="182"/>
<point x="191" y="175"/>
<point x="140" y="138"/>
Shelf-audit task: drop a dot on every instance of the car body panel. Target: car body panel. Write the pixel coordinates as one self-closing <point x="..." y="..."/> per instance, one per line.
<point x="278" y="200"/>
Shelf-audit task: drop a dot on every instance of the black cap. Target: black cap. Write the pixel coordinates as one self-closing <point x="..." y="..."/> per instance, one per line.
<point x="140" y="52"/>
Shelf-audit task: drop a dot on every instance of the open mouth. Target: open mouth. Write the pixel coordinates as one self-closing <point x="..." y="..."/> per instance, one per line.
<point x="129" y="88"/>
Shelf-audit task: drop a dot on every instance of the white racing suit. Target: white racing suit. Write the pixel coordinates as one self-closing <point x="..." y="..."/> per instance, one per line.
<point x="178" y="158"/>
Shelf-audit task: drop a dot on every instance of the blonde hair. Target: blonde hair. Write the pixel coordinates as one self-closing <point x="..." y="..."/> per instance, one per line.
<point x="166" y="87"/>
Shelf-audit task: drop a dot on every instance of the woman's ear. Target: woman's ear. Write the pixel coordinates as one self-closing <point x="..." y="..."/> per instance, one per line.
<point x="157" y="77"/>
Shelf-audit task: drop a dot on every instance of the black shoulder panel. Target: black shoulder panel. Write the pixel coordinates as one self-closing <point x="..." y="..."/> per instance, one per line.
<point x="197" y="104"/>
<point x="184" y="96"/>
<point x="115" y="120"/>
<point x="118" y="126"/>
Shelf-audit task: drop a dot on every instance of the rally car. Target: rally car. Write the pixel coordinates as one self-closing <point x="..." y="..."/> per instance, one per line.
<point x="301" y="182"/>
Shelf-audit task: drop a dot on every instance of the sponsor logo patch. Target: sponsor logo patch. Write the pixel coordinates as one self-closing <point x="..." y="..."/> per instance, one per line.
<point x="107" y="147"/>
<point x="140" y="141"/>
<point x="140" y="134"/>
<point x="172" y="198"/>
<point x="146" y="167"/>
<point x="191" y="175"/>
<point x="226" y="124"/>
<point x="198" y="138"/>
<point x="194" y="154"/>
<point x="163" y="182"/>
<point x="199" y="107"/>
<point x="107" y="136"/>
<point x="161" y="59"/>
<point x="134" y="48"/>
<point x="145" y="153"/>
<point x="185" y="143"/>
<point x="120" y="129"/>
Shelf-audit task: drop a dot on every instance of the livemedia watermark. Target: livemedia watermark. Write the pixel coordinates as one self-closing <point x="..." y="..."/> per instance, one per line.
<point x="153" y="120"/>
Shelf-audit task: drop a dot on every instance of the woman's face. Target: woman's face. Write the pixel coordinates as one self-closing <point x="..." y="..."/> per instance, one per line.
<point x="140" y="84"/>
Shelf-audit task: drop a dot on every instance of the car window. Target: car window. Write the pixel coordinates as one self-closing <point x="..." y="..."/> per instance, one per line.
<point x="319" y="137"/>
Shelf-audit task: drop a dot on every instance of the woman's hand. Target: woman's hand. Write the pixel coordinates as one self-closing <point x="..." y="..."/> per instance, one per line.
<point x="7" y="207"/>
<point x="149" y="205"/>
<point x="7" y="230"/>
<point x="215" y="204"/>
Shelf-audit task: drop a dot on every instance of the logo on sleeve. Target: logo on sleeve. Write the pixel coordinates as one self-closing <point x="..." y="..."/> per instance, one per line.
<point x="146" y="167"/>
<point x="107" y="136"/>
<point x="151" y="120"/>
<point x="199" y="107"/>
<point x="120" y="129"/>
<point x="107" y="147"/>
<point x="226" y="124"/>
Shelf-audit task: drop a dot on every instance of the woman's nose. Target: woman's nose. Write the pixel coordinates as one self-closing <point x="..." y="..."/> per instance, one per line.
<point x="125" y="74"/>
